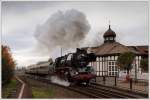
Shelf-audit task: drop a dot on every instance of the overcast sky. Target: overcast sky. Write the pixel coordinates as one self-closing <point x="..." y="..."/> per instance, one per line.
<point x="20" y="19"/>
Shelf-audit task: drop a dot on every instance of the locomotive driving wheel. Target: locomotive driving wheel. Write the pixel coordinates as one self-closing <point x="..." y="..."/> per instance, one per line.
<point x="68" y="76"/>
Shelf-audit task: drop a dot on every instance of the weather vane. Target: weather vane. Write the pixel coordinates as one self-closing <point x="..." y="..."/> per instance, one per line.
<point x="109" y="23"/>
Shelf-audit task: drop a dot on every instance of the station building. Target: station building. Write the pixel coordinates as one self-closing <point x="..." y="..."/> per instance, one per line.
<point x="108" y="52"/>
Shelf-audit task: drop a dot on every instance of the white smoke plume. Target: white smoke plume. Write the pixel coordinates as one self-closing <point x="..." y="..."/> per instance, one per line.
<point x="63" y="29"/>
<point x="57" y="80"/>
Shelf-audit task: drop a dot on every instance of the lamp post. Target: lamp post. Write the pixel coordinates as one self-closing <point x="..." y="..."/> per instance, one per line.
<point x="135" y="68"/>
<point x="135" y="73"/>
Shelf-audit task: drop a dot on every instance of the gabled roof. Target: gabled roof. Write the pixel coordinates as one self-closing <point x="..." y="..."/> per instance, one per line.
<point x="111" y="48"/>
<point x="141" y="49"/>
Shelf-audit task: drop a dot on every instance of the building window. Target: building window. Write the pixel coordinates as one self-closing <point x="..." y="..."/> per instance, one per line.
<point x="108" y="57"/>
<point x="116" y="57"/>
<point x="112" y="63"/>
<point x="111" y="38"/>
<point x="97" y="59"/>
<point x="112" y="68"/>
<point x="109" y="63"/>
<point x="100" y="59"/>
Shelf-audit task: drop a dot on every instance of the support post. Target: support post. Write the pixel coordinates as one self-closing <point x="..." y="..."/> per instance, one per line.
<point x="135" y="73"/>
<point x="104" y="79"/>
<point x="115" y="80"/>
<point x="131" y="83"/>
<point x="95" y="79"/>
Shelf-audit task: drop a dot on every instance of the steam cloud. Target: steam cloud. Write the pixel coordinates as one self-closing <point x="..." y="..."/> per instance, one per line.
<point x="65" y="29"/>
<point x="57" y="80"/>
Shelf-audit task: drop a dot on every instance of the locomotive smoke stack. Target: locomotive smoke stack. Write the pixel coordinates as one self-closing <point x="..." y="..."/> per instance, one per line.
<point x="64" y="29"/>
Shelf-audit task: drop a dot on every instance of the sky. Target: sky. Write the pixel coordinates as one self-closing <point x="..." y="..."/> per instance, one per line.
<point x="20" y="20"/>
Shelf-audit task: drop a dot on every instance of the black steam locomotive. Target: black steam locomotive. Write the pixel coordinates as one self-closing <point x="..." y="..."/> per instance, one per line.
<point x="72" y="67"/>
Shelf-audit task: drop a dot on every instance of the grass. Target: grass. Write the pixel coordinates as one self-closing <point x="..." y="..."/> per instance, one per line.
<point x="9" y="87"/>
<point x="42" y="92"/>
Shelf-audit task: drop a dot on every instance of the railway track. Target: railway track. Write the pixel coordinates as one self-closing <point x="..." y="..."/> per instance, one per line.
<point x="95" y="90"/>
<point x="126" y="93"/>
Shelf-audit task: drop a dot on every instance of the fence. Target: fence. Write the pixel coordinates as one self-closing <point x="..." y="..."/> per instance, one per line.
<point x="132" y="85"/>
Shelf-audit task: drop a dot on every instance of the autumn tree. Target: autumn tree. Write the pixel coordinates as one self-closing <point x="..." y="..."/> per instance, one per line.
<point x="125" y="62"/>
<point x="8" y="64"/>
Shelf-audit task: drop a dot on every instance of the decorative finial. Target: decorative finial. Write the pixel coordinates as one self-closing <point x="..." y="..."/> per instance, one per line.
<point x="109" y="24"/>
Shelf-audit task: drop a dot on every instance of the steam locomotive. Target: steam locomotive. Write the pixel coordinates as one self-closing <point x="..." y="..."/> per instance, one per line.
<point x="72" y="67"/>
